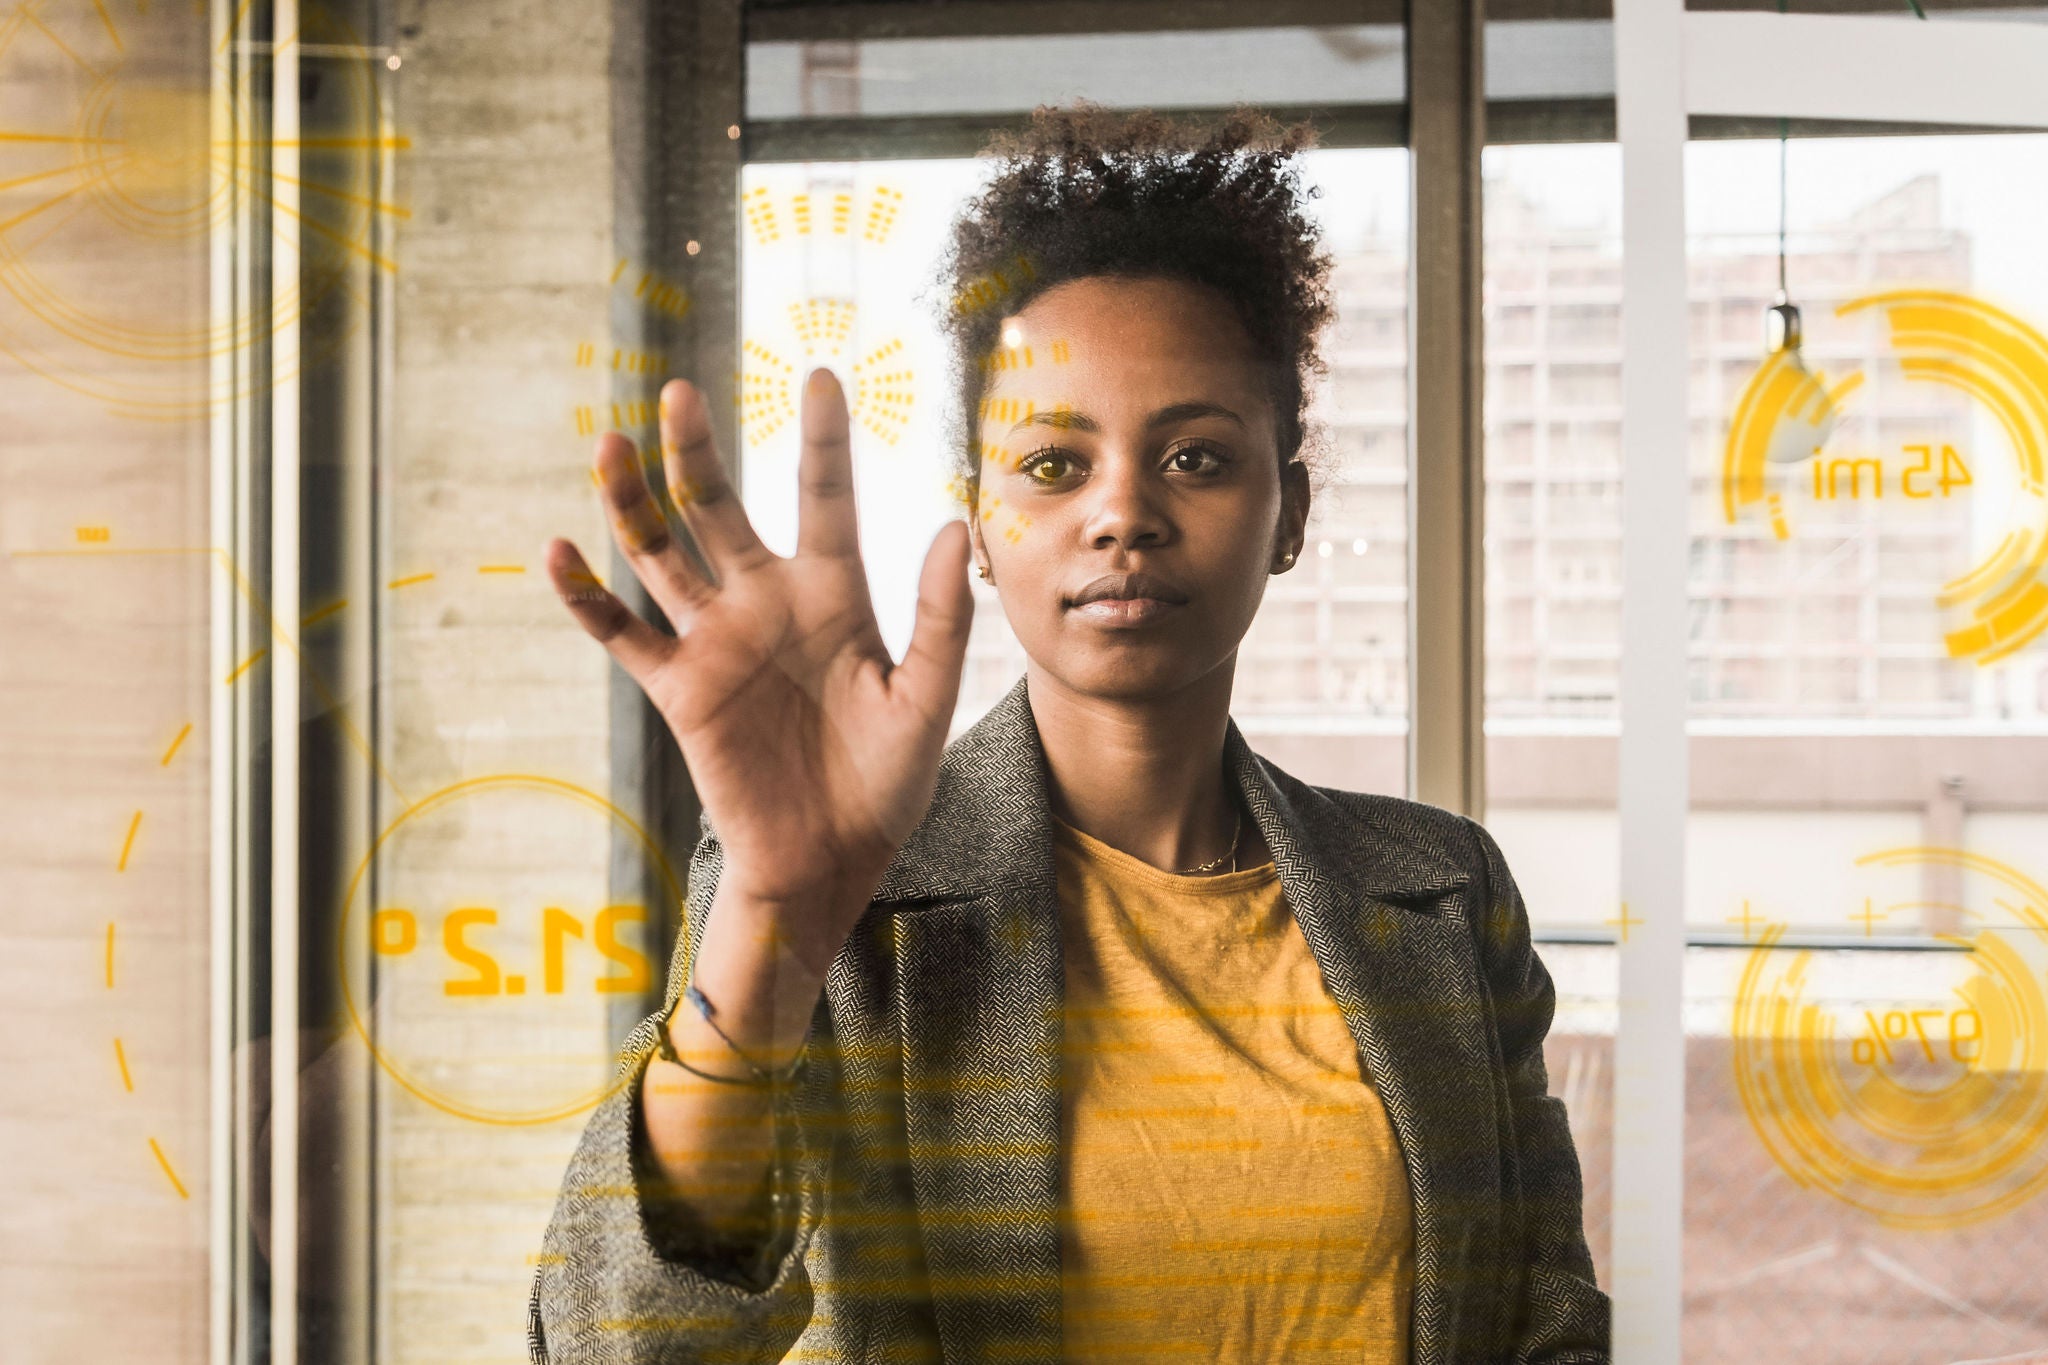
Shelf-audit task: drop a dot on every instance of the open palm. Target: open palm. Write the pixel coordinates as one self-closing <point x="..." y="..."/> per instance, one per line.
<point x="814" y="753"/>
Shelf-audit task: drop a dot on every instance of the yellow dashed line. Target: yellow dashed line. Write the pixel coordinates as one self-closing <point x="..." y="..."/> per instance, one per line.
<point x="243" y="667"/>
<point x="165" y="1162"/>
<point x="110" y="955"/>
<point x="126" y="1081"/>
<point x="323" y="613"/>
<point x="168" y="753"/>
<point x="129" y="842"/>
<point x="408" y="582"/>
<point x="501" y="568"/>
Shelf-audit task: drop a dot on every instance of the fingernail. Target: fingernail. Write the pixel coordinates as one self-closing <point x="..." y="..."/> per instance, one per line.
<point x="817" y="382"/>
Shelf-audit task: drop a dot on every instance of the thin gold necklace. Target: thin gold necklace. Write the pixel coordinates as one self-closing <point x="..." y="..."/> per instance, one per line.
<point x="1236" y="831"/>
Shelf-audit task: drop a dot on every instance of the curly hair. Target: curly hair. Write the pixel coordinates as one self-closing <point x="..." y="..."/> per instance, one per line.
<point x="1085" y="190"/>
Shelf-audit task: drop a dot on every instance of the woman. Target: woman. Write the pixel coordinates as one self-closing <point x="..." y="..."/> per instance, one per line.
<point x="1091" y="1034"/>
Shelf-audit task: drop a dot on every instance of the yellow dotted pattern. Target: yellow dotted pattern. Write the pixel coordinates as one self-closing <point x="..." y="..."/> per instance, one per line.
<point x="822" y="324"/>
<point x="986" y="291"/>
<point x="882" y="210"/>
<point x="1010" y="410"/>
<point x="766" y="384"/>
<point x="770" y="220"/>
<point x="760" y="215"/>
<point x="882" y="392"/>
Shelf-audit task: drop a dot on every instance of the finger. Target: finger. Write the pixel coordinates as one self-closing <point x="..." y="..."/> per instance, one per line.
<point x="638" y="646"/>
<point x="697" y="481"/>
<point x="825" y="520"/>
<point x="929" y="675"/>
<point x="642" y="533"/>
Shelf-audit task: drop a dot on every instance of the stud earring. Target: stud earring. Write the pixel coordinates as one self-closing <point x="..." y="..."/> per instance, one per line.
<point x="982" y="571"/>
<point x="1287" y="560"/>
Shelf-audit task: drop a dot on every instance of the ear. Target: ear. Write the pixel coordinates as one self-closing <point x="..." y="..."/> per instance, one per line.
<point x="971" y="508"/>
<point x="1294" y="500"/>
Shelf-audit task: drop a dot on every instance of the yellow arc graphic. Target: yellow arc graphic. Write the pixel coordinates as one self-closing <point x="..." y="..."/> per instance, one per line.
<point x="1957" y="1138"/>
<point x="1964" y="343"/>
<point x="354" y="927"/>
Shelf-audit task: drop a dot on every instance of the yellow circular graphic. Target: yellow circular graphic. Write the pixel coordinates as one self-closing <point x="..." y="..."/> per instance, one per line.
<point x="1926" y="1109"/>
<point x="1785" y="415"/>
<point x="473" y="942"/>
<point x="125" y="145"/>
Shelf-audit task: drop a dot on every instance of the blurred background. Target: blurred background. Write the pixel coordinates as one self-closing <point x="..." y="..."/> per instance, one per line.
<point x="337" y="861"/>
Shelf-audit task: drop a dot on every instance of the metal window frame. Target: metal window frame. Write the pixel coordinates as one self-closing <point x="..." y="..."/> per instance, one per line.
<point x="293" y="519"/>
<point x="1446" y="471"/>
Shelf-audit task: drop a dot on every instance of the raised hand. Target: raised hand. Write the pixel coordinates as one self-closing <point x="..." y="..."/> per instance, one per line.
<point x="814" y="754"/>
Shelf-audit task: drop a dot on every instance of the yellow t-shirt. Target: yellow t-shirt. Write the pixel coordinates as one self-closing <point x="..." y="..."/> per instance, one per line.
<point x="1234" y="1189"/>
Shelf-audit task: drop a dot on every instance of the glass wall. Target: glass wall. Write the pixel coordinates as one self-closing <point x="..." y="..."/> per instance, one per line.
<point x="338" y="860"/>
<point x="1864" y="736"/>
<point x="1869" y="810"/>
<point x="1553" y="595"/>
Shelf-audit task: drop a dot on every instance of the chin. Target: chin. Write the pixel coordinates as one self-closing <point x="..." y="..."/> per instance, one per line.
<point x="1129" y="672"/>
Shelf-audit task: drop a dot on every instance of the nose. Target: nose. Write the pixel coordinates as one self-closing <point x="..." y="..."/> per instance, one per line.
<point x="1127" y="506"/>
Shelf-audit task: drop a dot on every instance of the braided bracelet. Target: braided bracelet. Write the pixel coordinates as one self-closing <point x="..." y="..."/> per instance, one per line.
<point x="759" y="1076"/>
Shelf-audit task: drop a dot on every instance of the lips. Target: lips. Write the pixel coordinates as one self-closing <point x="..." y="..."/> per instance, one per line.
<point x="1129" y="586"/>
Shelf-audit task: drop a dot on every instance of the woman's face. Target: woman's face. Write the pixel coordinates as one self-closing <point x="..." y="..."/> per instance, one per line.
<point x="1134" y="461"/>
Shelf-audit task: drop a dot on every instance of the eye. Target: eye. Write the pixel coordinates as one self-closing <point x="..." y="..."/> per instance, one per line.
<point x="1052" y="458"/>
<point x="1215" y="459"/>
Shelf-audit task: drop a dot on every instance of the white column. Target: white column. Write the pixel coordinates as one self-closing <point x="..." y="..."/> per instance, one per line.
<point x="1649" y="1049"/>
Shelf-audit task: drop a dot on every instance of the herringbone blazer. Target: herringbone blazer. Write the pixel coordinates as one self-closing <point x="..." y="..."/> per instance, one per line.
<point x="927" y="1122"/>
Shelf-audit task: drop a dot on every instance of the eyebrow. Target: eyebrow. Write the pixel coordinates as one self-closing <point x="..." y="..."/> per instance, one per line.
<point x="1066" y="419"/>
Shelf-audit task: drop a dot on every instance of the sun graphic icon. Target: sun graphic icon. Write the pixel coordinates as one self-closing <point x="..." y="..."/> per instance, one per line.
<point x="144" y="161"/>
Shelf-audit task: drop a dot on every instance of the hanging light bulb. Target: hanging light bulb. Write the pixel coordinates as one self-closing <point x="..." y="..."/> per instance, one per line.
<point x="1808" y="417"/>
<point x="1782" y="331"/>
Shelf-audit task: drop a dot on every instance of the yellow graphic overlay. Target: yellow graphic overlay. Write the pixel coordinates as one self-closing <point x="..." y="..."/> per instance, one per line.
<point x="997" y="287"/>
<point x="1785" y="414"/>
<point x="105" y="157"/>
<point x="771" y="217"/>
<point x="584" y="945"/>
<point x="1927" y="1110"/>
<point x="501" y="932"/>
<point x="765" y="383"/>
<point x="883" y="392"/>
<point x="822" y="326"/>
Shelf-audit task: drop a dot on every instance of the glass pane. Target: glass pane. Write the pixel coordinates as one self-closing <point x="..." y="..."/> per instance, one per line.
<point x="108" y="196"/>
<point x="1552" y="424"/>
<point x="489" y="945"/>
<point x="1321" y="681"/>
<point x="1865" y="1032"/>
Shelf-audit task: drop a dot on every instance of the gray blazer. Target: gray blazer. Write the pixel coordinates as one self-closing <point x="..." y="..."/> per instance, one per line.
<point x="926" y="1156"/>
